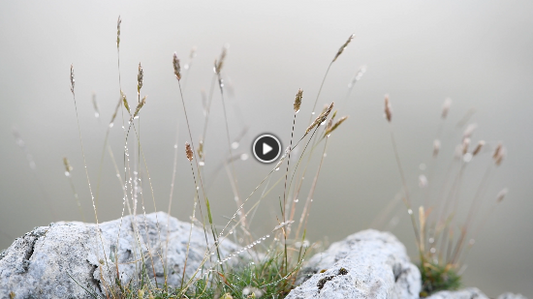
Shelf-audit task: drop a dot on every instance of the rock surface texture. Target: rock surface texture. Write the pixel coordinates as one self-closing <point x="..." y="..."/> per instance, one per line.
<point x="68" y="259"/>
<point x="368" y="264"/>
<point x="471" y="293"/>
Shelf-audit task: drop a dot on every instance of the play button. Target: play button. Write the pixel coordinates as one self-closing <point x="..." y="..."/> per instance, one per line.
<point x="266" y="148"/>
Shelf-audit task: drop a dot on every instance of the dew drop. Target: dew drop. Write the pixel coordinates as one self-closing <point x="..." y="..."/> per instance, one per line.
<point x="97" y="115"/>
<point x="296" y="200"/>
<point x="433" y="250"/>
<point x="235" y="145"/>
<point x="175" y="146"/>
<point x="313" y="113"/>
<point x="67" y="174"/>
<point x="467" y="157"/>
<point x="201" y="163"/>
<point x="431" y="240"/>
<point x="277" y="168"/>
<point x="244" y="157"/>
<point x="410" y="211"/>
<point x="197" y="188"/>
<point x="111" y="125"/>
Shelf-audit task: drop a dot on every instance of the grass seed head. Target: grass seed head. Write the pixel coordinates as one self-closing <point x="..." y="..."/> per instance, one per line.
<point x="436" y="147"/>
<point x="388" y="108"/>
<point x="298" y="100"/>
<point x="72" y="81"/>
<point x="119" y="21"/>
<point x="68" y="168"/>
<point x="343" y="47"/>
<point x="501" y="195"/>
<point x="219" y="63"/>
<point x="466" y="144"/>
<point x="499" y="154"/>
<point x="469" y="130"/>
<point x="140" y="77"/>
<point x="480" y="145"/>
<point x="321" y="118"/>
<point x="335" y="126"/>
<point x="125" y="101"/>
<point x="446" y="107"/>
<point x="139" y="106"/>
<point x="188" y="151"/>
<point x="176" y="64"/>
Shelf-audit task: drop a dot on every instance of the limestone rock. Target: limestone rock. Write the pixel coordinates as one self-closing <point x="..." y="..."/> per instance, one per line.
<point x="69" y="259"/>
<point x="511" y="296"/>
<point x="368" y="264"/>
<point x="467" y="293"/>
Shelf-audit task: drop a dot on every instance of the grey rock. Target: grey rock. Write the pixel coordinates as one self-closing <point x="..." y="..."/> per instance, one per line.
<point x="467" y="293"/>
<point x="511" y="296"/>
<point x="470" y="293"/>
<point x="368" y="264"/>
<point x="68" y="259"/>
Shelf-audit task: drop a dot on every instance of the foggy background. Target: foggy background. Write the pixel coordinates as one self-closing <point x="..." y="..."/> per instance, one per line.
<point x="478" y="53"/>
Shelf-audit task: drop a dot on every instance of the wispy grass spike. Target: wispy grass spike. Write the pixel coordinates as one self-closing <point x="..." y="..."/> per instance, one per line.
<point x="72" y="80"/>
<point x="335" y="126"/>
<point x="119" y="21"/>
<point x="188" y="151"/>
<point x="140" y="78"/>
<point x="176" y="64"/>
<point x="298" y="100"/>
<point x="219" y="63"/>
<point x="320" y="119"/>
<point x="341" y="49"/>
<point x="480" y="145"/>
<point x="388" y="109"/>
<point x="125" y="101"/>
<point x="446" y="107"/>
<point x="139" y="106"/>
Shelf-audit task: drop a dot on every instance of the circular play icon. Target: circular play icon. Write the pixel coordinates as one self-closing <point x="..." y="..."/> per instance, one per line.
<point x="266" y="148"/>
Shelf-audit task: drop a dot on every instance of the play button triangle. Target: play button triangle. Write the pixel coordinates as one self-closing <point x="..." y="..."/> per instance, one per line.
<point x="266" y="148"/>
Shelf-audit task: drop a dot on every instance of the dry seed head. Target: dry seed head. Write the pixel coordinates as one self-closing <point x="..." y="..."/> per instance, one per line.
<point x="200" y="149"/>
<point x="388" y="108"/>
<point x="343" y="47"/>
<point x="72" y="81"/>
<point x="68" y="168"/>
<point x="139" y="106"/>
<point x="501" y="195"/>
<point x="176" y="64"/>
<point x="436" y="147"/>
<point x="480" y="144"/>
<point x="499" y="155"/>
<point x="466" y="143"/>
<point x="469" y="130"/>
<point x="219" y="63"/>
<point x="298" y="100"/>
<point x="119" y="21"/>
<point x="140" y="77"/>
<point x="330" y="122"/>
<point x="357" y="76"/>
<point x="95" y="105"/>
<point x="188" y="151"/>
<point x="321" y="118"/>
<point x="125" y="101"/>
<point x="497" y="151"/>
<point x="446" y="107"/>
<point x="335" y="126"/>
